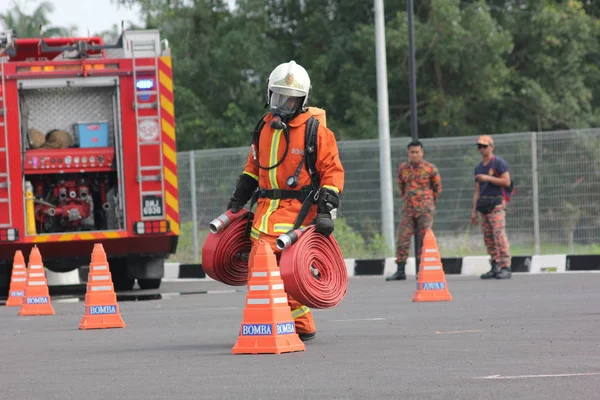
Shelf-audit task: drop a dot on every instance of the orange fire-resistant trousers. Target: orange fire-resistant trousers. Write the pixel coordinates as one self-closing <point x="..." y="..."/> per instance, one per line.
<point x="303" y="318"/>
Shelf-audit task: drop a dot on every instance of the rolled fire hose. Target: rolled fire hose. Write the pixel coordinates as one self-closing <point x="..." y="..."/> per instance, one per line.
<point x="312" y="268"/>
<point x="226" y="249"/>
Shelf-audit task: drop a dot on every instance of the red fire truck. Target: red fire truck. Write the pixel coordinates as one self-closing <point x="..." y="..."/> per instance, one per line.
<point x="87" y="154"/>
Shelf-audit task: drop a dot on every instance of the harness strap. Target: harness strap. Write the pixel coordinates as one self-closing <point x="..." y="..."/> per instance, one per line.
<point x="305" y="194"/>
<point x="277" y="194"/>
<point x="309" y="195"/>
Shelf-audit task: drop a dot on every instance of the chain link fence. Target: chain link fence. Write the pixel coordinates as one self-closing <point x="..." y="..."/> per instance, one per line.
<point x="555" y="207"/>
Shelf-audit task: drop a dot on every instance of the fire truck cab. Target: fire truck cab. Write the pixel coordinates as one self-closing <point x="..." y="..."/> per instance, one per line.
<point x="87" y="154"/>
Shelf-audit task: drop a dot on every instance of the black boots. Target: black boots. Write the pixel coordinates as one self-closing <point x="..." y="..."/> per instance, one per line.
<point x="497" y="272"/>
<point x="505" y="273"/>
<point x="491" y="274"/>
<point x="400" y="275"/>
<point x="305" y="337"/>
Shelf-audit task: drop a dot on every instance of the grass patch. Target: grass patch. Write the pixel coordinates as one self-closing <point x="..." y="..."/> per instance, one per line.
<point x="354" y="245"/>
<point x="351" y="243"/>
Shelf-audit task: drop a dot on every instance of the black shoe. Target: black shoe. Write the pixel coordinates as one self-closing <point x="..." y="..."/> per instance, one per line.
<point x="399" y="275"/>
<point x="491" y="274"/>
<point x="505" y="273"/>
<point x="305" y="337"/>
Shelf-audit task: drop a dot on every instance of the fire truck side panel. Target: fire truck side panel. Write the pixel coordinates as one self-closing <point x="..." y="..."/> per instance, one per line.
<point x="169" y="142"/>
<point x="129" y="166"/>
<point x="64" y="248"/>
<point x="13" y="211"/>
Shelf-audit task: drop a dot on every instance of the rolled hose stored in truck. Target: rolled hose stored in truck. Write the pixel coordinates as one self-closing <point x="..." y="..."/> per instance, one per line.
<point x="312" y="266"/>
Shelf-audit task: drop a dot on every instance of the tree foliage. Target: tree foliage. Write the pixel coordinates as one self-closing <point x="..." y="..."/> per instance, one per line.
<point x="483" y="66"/>
<point x="29" y="25"/>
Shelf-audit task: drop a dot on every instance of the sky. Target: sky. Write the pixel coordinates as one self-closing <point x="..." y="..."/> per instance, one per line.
<point x="95" y="15"/>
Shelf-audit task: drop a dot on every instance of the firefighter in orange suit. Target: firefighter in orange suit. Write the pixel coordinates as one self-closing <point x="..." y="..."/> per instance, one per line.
<point x="279" y="184"/>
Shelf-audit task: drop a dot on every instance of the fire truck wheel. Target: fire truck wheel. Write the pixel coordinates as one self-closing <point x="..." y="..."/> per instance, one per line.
<point x="149" y="283"/>
<point x="5" y="272"/>
<point x="122" y="279"/>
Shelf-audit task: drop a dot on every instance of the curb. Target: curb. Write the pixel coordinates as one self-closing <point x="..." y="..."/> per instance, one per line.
<point x="466" y="266"/>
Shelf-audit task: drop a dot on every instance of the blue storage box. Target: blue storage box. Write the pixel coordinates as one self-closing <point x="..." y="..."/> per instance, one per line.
<point x="92" y="134"/>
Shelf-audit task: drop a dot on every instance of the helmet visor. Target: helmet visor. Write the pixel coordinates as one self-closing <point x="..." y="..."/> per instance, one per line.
<point x="284" y="105"/>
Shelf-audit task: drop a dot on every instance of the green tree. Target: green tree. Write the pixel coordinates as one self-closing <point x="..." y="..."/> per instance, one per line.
<point x="488" y="66"/>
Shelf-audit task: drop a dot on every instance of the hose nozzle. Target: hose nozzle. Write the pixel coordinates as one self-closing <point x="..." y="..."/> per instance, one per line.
<point x="287" y="239"/>
<point x="219" y="223"/>
<point x="224" y="220"/>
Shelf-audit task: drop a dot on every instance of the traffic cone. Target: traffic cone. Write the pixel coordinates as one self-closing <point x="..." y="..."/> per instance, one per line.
<point x="36" y="296"/>
<point x="431" y="281"/>
<point x="101" y="307"/>
<point x="267" y="326"/>
<point x="17" y="281"/>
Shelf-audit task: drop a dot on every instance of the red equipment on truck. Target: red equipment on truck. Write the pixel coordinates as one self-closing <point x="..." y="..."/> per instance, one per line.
<point x="87" y="154"/>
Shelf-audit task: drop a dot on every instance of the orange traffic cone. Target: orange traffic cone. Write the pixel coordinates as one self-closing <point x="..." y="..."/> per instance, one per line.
<point x="431" y="281"/>
<point x="268" y="326"/>
<point x="101" y="307"/>
<point x="36" y="296"/>
<point x="17" y="281"/>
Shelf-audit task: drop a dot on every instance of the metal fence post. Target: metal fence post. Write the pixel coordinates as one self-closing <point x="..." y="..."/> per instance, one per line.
<point x="194" y="205"/>
<point x="536" y="197"/>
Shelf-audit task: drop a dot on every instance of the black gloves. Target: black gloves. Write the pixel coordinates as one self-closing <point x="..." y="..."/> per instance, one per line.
<point x="324" y="224"/>
<point x="244" y="189"/>
<point x="327" y="204"/>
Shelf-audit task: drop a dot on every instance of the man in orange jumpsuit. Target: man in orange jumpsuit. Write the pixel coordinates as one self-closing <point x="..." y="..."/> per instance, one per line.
<point x="273" y="167"/>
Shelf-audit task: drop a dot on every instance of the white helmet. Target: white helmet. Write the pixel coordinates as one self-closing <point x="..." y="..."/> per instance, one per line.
<point x="287" y="80"/>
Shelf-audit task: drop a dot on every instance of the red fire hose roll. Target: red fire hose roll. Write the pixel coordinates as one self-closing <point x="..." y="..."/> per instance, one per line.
<point x="226" y="249"/>
<point x="313" y="270"/>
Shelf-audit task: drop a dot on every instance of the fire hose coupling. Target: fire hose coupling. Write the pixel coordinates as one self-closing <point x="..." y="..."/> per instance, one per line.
<point x="223" y="221"/>
<point x="287" y="239"/>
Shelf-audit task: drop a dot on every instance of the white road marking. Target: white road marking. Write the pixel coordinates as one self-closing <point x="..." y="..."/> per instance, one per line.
<point x="538" y="376"/>
<point x="358" y="319"/>
<point x="220" y="291"/>
<point x="454" y="332"/>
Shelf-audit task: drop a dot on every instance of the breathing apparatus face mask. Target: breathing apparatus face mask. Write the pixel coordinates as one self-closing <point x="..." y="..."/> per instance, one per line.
<point x="283" y="108"/>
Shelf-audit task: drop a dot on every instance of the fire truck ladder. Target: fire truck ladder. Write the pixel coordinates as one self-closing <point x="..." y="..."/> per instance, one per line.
<point x="4" y="150"/>
<point x="148" y="46"/>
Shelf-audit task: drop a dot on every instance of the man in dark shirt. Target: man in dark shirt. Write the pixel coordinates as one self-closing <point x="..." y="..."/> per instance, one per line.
<point x="492" y="179"/>
<point x="420" y="186"/>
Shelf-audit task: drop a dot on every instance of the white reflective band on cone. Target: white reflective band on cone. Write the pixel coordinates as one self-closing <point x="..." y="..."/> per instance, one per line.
<point x="258" y="301"/>
<point x="99" y="288"/>
<point x="259" y="287"/>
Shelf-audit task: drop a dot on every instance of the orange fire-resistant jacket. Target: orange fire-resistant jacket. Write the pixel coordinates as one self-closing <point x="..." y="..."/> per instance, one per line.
<point x="277" y="216"/>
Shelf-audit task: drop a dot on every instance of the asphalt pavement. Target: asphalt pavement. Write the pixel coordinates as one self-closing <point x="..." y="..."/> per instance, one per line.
<point x="531" y="337"/>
